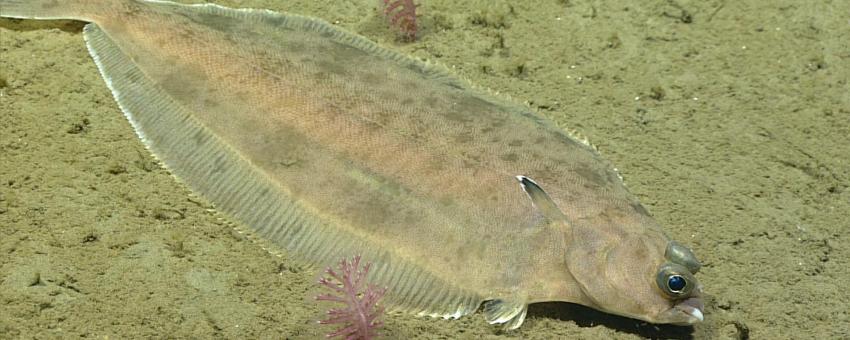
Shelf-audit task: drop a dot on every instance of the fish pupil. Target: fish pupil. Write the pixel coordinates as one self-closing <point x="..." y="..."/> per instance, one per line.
<point x="676" y="283"/>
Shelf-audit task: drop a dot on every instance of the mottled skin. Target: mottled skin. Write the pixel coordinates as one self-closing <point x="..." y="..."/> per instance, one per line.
<point x="403" y="157"/>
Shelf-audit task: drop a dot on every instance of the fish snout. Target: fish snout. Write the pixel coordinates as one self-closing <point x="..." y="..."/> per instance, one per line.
<point x="692" y="308"/>
<point x="688" y="311"/>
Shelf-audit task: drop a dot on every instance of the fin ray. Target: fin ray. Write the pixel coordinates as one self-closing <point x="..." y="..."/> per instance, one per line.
<point x="540" y="199"/>
<point x="220" y="174"/>
<point x="511" y="314"/>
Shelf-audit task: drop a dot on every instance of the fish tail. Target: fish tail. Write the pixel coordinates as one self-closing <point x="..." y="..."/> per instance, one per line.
<point x="85" y="10"/>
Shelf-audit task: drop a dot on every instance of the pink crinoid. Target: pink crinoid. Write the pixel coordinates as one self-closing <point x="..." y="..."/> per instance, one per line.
<point x="358" y="317"/>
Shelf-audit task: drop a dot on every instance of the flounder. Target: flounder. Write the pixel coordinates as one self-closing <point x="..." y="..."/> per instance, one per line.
<point x="325" y="145"/>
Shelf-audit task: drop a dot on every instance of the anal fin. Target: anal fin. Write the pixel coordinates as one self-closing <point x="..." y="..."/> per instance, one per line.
<point x="509" y="313"/>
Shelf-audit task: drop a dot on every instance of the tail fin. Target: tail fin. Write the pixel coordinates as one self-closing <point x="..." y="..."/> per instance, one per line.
<point x="85" y="10"/>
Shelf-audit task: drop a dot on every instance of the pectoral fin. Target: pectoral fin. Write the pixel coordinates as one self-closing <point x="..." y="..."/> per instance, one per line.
<point x="509" y="313"/>
<point x="540" y="200"/>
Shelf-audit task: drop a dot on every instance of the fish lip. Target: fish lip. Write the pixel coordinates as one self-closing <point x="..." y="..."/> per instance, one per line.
<point x="688" y="311"/>
<point x="691" y="310"/>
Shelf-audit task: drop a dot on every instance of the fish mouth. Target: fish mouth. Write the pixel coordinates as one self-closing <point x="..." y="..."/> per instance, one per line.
<point x="686" y="312"/>
<point x="691" y="311"/>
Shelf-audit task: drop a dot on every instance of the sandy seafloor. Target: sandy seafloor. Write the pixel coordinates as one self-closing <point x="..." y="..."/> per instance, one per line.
<point x="729" y="119"/>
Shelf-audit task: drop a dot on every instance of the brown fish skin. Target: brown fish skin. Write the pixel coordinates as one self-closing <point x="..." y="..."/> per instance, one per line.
<point x="395" y="154"/>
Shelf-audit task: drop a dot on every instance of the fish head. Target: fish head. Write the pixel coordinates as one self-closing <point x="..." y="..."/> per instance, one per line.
<point x="643" y="276"/>
<point x="621" y="260"/>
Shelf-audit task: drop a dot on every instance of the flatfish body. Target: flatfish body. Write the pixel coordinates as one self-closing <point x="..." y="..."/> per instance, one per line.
<point x="325" y="145"/>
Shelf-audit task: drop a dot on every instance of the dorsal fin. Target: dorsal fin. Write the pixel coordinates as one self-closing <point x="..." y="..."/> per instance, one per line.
<point x="540" y="200"/>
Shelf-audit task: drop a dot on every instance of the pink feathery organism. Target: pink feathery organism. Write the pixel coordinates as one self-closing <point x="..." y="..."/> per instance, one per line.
<point x="402" y="15"/>
<point x="358" y="317"/>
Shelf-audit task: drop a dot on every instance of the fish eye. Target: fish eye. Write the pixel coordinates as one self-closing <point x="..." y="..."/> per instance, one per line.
<point x="676" y="283"/>
<point x="675" y="280"/>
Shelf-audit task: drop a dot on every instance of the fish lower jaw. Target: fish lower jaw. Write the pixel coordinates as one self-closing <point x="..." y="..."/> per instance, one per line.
<point x="692" y="309"/>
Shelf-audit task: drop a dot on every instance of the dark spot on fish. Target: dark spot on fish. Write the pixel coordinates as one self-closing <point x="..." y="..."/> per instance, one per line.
<point x="469" y="164"/>
<point x="372" y="126"/>
<point x="375" y="210"/>
<point x="132" y="76"/>
<point x="321" y="76"/>
<point x="130" y="9"/>
<point x="515" y="142"/>
<point x="511" y="157"/>
<point x="475" y="157"/>
<point x="276" y="65"/>
<point x="418" y="68"/>
<point x="456" y="116"/>
<point x="476" y="104"/>
<point x="410" y="87"/>
<point x="430" y="101"/>
<point x="590" y="186"/>
<point x="446" y="201"/>
<point x="263" y="192"/>
<point x="332" y="108"/>
<point x="606" y="217"/>
<point x="613" y="177"/>
<point x="436" y="166"/>
<point x="639" y="208"/>
<point x="340" y="51"/>
<point x="540" y="121"/>
<point x="461" y="253"/>
<point x="497" y="122"/>
<point x="278" y="20"/>
<point x="286" y="162"/>
<point x="332" y="67"/>
<point x="200" y="137"/>
<point x="187" y="35"/>
<point x="546" y="173"/>
<point x="50" y="4"/>
<point x="211" y="102"/>
<point x="591" y="175"/>
<point x="561" y="136"/>
<point x="464" y="137"/>
<point x="217" y="22"/>
<point x="219" y="164"/>
<point x="295" y="47"/>
<point x="371" y="78"/>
